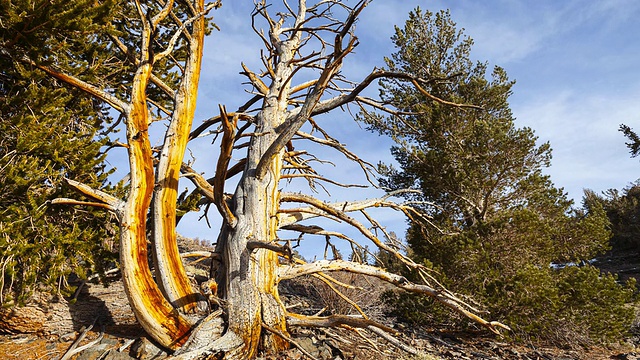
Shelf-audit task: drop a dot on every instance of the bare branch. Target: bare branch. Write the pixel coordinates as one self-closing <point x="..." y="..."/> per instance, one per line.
<point x="255" y="80"/>
<point x="395" y="342"/>
<point x="154" y="79"/>
<point x="333" y="321"/>
<point x="318" y="177"/>
<point x="366" y="167"/>
<point x="108" y="201"/>
<point x="343" y="99"/>
<point x="282" y="250"/>
<point x="303" y="86"/>
<point x="216" y="119"/>
<point x="93" y="90"/>
<point x="199" y="181"/>
<point x="174" y="39"/>
<point x="289" y="216"/>
<point x="67" y="201"/>
<point x="205" y="186"/>
<point x="340" y="214"/>
<point x="166" y="9"/>
<point x="378" y="105"/>
<point x="226" y="147"/>
<point x="316" y="230"/>
<point x="328" y="281"/>
<point x="291" y="271"/>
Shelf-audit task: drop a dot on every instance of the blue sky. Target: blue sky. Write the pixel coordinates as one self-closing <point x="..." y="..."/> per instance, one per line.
<point x="575" y="63"/>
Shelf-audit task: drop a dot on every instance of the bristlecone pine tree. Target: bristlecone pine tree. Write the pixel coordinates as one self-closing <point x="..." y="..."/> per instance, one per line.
<point x="496" y="221"/>
<point x="151" y="79"/>
<point x="47" y="133"/>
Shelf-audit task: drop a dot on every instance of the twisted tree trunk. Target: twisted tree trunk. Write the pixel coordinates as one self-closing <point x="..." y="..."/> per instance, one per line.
<point x="156" y="315"/>
<point x="249" y="280"/>
<point x="171" y="276"/>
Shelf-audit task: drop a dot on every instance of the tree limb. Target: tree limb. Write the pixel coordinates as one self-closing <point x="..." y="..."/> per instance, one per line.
<point x="341" y="215"/>
<point x="205" y="188"/>
<point x="226" y="147"/>
<point x="116" y="103"/>
<point x="154" y="79"/>
<point x="333" y="321"/>
<point x="255" y="80"/>
<point x="67" y="201"/>
<point x="343" y="99"/>
<point x="393" y="341"/>
<point x="292" y="271"/>
<point x="108" y="201"/>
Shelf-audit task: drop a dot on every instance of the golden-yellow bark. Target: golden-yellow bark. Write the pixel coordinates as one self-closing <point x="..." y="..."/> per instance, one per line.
<point x="172" y="277"/>
<point x="154" y="313"/>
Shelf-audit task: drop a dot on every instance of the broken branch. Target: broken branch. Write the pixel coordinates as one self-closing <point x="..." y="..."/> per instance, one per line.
<point x="226" y="147"/>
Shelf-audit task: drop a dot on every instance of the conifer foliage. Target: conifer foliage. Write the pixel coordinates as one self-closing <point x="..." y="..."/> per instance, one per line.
<point x="47" y="133"/>
<point x="623" y="210"/>
<point x="496" y="221"/>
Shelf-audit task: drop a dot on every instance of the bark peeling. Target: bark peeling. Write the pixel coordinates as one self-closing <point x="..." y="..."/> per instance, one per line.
<point x="172" y="277"/>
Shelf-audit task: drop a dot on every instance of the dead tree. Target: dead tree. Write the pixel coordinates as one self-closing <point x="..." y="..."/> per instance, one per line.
<point x="301" y="79"/>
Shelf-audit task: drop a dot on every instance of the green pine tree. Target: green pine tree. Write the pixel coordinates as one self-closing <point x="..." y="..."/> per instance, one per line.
<point x="497" y="222"/>
<point x="49" y="133"/>
<point x="623" y="209"/>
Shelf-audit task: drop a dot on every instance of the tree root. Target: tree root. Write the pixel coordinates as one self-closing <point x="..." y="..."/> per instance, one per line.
<point x="289" y="339"/>
<point x="230" y="344"/>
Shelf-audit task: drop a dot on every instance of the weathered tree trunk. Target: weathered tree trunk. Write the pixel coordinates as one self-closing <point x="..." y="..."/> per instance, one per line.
<point x="249" y="282"/>
<point x="170" y="273"/>
<point x="250" y="276"/>
<point x="156" y="315"/>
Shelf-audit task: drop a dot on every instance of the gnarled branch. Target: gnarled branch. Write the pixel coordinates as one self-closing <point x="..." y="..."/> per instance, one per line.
<point x="226" y="147"/>
<point x="104" y="200"/>
<point x="444" y="297"/>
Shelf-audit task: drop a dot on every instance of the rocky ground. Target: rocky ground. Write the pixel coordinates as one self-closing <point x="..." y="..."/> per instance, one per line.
<point x="98" y="324"/>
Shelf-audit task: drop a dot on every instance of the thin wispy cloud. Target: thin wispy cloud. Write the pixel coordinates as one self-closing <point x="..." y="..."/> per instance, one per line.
<point x="589" y="151"/>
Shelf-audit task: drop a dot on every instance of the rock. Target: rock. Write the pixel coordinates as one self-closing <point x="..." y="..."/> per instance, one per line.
<point x="317" y="348"/>
<point x="22" y="320"/>
<point x="58" y="317"/>
<point x="114" y="354"/>
<point x="99" y="350"/>
<point x="144" y="349"/>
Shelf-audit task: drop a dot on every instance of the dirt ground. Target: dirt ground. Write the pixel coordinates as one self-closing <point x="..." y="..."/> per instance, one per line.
<point x="115" y="335"/>
<point x="432" y="346"/>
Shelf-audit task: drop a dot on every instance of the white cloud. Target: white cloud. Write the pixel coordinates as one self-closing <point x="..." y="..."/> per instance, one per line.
<point x="589" y="151"/>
